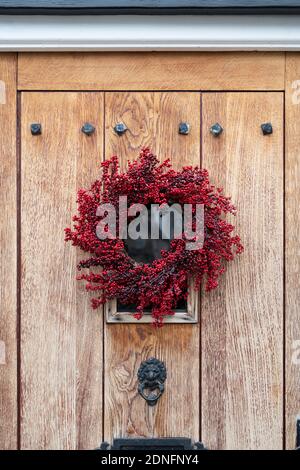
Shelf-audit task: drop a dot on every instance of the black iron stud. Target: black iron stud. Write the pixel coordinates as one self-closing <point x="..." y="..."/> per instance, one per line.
<point x="36" y="128"/>
<point x="88" y="129"/>
<point x="267" y="128"/>
<point x="184" y="128"/>
<point x="152" y="374"/>
<point x="216" y="129"/>
<point x="120" y="128"/>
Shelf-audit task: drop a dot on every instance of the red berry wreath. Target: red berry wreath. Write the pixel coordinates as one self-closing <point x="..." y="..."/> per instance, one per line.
<point x="160" y="285"/>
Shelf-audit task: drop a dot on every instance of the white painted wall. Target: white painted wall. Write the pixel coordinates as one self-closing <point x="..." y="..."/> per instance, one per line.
<point x="52" y="33"/>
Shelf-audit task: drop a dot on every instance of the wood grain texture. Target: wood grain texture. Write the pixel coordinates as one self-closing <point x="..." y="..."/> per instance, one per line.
<point x="8" y="249"/>
<point x="61" y="336"/>
<point x="151" y="71"/>
<point x="136" y="111"/>
<point x="126" y="346"/>
<point x="242" y="321"/>
<point x="292" y="245"/>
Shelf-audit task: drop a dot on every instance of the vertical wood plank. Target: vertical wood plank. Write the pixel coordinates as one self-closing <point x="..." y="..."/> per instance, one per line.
<point x="292" y="245"/>
<point x="61" y="336"/>
<point x="126" y="346"/>
<point x="8" y="247"/>
<point x="242" y="321"/>
<point x="170" y="109"/>
<point x="136" y="111"/>
<point x="89" y="323"/>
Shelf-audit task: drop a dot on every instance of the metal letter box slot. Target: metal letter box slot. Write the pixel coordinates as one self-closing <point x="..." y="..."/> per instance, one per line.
<point x="172" y="443"/>
<point x="146" y="251"/>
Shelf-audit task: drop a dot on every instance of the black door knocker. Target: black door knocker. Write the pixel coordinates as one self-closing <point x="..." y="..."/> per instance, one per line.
<point x="152" y="374"/>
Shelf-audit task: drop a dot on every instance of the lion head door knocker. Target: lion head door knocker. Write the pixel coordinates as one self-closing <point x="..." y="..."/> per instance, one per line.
<point x="152" y="374"/>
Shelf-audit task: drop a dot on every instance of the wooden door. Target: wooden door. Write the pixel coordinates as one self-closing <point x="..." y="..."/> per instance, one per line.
<point x="240" y="332"/>
<point x="226" y="374"/>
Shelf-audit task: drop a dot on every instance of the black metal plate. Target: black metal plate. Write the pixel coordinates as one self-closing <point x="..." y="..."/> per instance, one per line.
<point x="176" y="443"/>
<point x="181" y="306"/>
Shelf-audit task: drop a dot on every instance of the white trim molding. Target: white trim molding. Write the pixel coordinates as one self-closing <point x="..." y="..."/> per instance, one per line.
<point x="149" y="33"/>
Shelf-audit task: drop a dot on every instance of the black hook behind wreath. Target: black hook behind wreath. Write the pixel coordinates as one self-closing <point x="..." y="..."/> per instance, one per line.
<point x="152" y="374"/>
